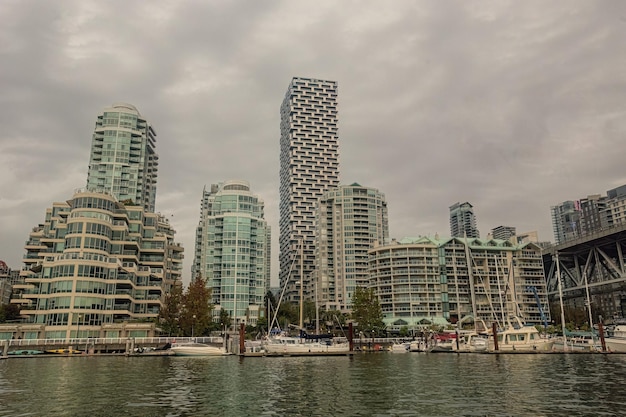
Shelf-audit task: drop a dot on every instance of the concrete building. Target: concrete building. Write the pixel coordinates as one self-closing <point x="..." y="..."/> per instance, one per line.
<point x="5" y="283"/>
<point x="309" y="166"/>
<point x="424" y="281"/>
<point x="233" y="247"/>
<point x="123" y="159"/>
<point x="93" y="265"/>
<point x="463" y="221"/>
<point x="565" y="221"/>
<point x="350" y="218"/>
<point x="502" y="232"/>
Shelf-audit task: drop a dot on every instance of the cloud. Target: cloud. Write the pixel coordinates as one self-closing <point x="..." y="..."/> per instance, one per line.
<point x="513" y="106"/>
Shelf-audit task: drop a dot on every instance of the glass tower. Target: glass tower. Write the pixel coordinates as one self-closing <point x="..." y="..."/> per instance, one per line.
<point x="309" y="166"/>
<point x="123" y="160"/>
<point x="233" y="250"/>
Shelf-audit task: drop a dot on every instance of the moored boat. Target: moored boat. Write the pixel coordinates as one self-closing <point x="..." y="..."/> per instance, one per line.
<point x="283" y="344"/>
<point x="616" y="342"/>
<point x="197" y="349"/>
<point x="520" y="338"/>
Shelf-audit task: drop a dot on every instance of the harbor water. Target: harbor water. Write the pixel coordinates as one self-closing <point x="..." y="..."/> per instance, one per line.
<point x="381" y="384"/>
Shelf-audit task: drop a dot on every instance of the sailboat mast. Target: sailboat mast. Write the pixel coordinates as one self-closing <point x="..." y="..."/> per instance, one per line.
<point x="317" y="311"/>
<point x="588" y="302"/>
<point x="301" y="283"/>
<point x="470" y="273"/>
<point x="558" y="276"/>
<point x="495" y="258"/>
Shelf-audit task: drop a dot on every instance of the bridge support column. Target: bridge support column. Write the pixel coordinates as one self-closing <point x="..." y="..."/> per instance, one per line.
<point x="5" y="348"/>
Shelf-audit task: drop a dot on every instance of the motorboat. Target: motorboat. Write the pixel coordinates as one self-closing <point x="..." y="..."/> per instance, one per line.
<point x="578" y="342"/>
<point x="399" y="347"/>
<point x="520" y="338"/>
<point x="616" y="342"/>
<point x="197" y="349"/>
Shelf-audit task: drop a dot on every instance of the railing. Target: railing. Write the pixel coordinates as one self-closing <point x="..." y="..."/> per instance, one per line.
<point x="114" y="341"/>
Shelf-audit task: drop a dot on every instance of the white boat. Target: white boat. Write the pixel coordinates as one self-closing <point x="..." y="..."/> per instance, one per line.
<point x="617" y="341"/>
<point x="282" y="344"/>
<point x="197" y="349"/>
<point x="471" y="341"/>
<point x="399" y="347"/>
<point x="521" y="338"/>
<point x="578" y="342"/>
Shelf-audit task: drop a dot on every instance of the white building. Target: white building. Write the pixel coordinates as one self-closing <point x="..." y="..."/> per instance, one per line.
<point x="350" y="218"/>
<point x="423" y="281"/>
<point x="309" y="166"/>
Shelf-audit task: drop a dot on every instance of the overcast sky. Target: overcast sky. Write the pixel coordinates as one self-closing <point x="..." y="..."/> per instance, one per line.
<point x="513" y="106"/>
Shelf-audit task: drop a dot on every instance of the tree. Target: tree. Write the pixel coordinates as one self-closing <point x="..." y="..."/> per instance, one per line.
<point x="9" y="312"/>
<point x="225" y="319"/>
<point x="196" y="308"/>
<point x="366" y="310"/>
<point x="170" y="312"/>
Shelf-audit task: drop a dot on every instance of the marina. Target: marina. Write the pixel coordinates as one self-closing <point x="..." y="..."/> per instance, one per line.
<point x="382" y="384"/>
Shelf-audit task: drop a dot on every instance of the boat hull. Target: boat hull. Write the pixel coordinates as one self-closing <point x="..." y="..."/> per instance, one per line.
<point x="615" y="345"/>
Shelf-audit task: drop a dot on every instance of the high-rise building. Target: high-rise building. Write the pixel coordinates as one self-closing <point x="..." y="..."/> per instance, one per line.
<point x="463" y="221"/>
<point x="350" y="218"/>
<point x="233" y="250"/>
<point x="93" y="264"/>
<point x="309" y="166"/>
<point x="503" y="232"/>
<point x="123" y="160"/>
<point x="566" y="221"/>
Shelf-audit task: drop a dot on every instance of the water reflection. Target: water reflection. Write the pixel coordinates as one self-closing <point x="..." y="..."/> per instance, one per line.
<point x="365" y="385"/>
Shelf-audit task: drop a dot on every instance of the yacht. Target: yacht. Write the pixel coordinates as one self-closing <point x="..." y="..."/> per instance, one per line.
<point x="520" y="338"/>
<point x="283" y="344"/>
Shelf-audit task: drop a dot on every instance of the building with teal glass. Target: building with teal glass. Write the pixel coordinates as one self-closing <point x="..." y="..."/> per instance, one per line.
<point x="232" y="250"/>
<point x="123" y="160"/>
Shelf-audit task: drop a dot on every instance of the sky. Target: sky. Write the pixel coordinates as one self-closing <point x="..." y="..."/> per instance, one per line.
<point x="512" y="106"/>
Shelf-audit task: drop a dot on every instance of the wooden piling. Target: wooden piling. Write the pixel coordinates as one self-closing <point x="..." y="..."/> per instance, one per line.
<point x="494" y="328"/>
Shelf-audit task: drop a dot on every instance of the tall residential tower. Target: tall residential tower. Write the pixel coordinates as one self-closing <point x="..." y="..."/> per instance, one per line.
<point x="123" y="160"/>
<point x="463" y="221"/>
<point x="233" y="250"/>
<point x="309" y="166"/>
<point x="350" y="219"/>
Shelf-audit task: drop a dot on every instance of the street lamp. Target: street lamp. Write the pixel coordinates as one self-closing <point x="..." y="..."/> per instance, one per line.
<point x="192" y="323"/>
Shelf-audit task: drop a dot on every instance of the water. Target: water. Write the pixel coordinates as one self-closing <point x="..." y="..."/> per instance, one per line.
<point x="384" y="384"/>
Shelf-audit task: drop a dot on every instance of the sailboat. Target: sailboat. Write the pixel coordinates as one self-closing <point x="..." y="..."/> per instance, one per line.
<point x="282" y="343"/>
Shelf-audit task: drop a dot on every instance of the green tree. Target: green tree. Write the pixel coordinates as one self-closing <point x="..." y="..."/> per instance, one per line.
<point x="9" y="312"/>
<point x="366" y="310"/>
<point x="170" y="312"/>
<point x="225" y="320"/>
<point x="196" y="308"/>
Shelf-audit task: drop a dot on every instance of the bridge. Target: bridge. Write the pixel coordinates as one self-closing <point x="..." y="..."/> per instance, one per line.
<point x="593" y="264"/>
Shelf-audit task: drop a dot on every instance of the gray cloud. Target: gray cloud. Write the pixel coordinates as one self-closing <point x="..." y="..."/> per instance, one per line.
<point x="513" y="106"/>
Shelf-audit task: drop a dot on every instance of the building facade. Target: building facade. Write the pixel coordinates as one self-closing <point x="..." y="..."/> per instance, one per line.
<point x="309" y="166"/>
<point x="93" y="265"/>
<point x="503" y="232"/>
<point x="123" y="159"/>
<point x="565" y="221"/>
<point x="350" y="218"/>
<point x="463" y="221"/>
<point x="233" y="250"/>
<point x="424" y="281"/>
